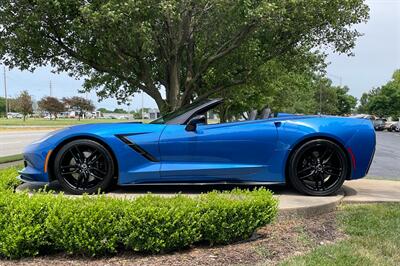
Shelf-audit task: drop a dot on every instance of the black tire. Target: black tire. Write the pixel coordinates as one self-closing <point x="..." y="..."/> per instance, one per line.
<point x="84" y="166"/>
<point x="318" y="168"/>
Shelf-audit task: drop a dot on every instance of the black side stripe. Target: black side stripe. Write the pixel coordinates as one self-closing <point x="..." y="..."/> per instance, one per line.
<point x="136" y="147"/>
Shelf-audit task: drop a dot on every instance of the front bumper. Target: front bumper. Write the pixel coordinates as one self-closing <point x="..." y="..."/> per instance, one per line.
<point x="34" y="162"/>
<point x="30" y="181"/>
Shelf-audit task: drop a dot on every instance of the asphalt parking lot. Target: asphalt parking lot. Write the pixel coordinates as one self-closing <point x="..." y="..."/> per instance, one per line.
<point x="386" y="163"/>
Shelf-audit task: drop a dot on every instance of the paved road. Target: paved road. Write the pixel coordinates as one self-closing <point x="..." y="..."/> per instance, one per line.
<point x="386" y="162"/>
<point x="13" y="142"/>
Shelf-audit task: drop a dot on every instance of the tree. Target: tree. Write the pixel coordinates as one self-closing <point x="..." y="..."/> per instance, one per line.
<point x="284" y="86"/>
<point x="24" y="104"/>
<point x="120" y="111"/>
<point x="294" y="89"/>
<point x="385" y="100"/>
<point x="3" y="106"/>
<point x="346" y="103"/>
<point x="52" y="105"/>
<point x="80" y="104"/>
<point x="104" y="110"/>
<point x="190" y="48"/>
<point x="363" y="108"/>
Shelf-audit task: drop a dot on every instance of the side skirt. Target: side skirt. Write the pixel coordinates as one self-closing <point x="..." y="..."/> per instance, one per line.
<point x="203" y="184"/>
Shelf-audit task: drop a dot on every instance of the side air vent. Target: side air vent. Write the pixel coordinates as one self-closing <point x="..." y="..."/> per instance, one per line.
<point x="135" y="147"/>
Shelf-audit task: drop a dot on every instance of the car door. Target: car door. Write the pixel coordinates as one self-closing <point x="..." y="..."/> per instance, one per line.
<point x="232" y="152"/>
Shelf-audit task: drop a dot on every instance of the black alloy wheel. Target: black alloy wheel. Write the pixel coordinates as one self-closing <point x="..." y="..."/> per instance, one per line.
<point x="84" y="166"/>
<point x="318" y="168"/>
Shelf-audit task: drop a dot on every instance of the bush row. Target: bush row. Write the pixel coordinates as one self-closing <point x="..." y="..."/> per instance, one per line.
<point x="44" y="223"/>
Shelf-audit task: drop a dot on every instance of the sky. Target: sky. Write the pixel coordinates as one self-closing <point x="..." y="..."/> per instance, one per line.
<point x="377" y="55"/>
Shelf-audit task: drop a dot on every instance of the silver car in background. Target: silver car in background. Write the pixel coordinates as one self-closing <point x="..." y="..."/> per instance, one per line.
<point x="397" y="127"/>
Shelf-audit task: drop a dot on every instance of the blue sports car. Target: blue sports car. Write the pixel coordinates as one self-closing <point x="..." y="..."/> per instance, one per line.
<point x="314" y="154"/>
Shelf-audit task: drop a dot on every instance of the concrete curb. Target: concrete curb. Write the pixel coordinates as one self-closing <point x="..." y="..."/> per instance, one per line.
<point x="291" y="204"/>
<point x="312" y="210"/>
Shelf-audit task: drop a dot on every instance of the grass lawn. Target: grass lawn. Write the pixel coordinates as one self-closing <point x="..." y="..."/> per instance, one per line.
<point x="374" y="238"/>
<point x="10" y="158"/>
<point x="58" y="122"/>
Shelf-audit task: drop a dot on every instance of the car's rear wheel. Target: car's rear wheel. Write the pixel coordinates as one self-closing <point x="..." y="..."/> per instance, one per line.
<point x="84" y="166"/>
<point x="318" y="167"/>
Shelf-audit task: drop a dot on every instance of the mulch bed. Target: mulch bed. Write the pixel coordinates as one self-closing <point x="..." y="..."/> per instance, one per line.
<point x="269" y="245"/>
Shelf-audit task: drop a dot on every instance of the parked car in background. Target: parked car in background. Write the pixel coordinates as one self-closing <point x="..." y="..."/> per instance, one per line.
<point x="379" y="124"/>
<point x="391" y="126"/>
<point x="11" y="115"/>
<point x="397" y="127"/>
<point x="364" y="116"/>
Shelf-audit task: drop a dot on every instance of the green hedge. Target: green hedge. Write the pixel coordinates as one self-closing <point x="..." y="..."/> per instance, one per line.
<point x="45" y="223"/>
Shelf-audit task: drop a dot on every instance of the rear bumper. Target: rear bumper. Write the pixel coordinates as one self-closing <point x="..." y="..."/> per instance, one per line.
<point x="362" y="146"/>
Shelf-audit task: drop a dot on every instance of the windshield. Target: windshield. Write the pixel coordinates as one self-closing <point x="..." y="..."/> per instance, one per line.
<point x="164" y="119"/>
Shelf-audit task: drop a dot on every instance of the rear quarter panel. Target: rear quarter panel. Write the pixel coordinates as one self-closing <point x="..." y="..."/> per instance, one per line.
<point x="356" y="136"/>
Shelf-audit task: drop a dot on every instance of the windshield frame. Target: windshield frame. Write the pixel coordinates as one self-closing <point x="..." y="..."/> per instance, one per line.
<point x="182" y="115"/>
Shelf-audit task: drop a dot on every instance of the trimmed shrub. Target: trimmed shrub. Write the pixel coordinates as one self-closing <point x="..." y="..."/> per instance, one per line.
<point x="44" y="223"/>
<point x="234" y="215"/>
<point x="8" y="179"/>
<point x="22" y="228"/>
<point x="153" y="224"/>
<point x="85" y="225"/>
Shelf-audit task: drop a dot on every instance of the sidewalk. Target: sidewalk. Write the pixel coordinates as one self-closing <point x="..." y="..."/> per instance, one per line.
<point x="371" y="190"/>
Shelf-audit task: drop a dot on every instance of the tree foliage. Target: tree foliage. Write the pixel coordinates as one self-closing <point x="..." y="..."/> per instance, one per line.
<point x="3" y="106"/>
<point x="383" y="101"/>
<point x="23" y="104"/>
<point x="192" y="48"/>
<point x="333" y="100"/>
<point x="120" y="111"/>
<point x="289" y="90"/>
<point x="104" y="110"/>
<point x="52" y="105"/>
<point x="79" y="103"/>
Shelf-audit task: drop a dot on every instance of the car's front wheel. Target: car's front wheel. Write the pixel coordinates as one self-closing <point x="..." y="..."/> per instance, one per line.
<point x="318" y="167"/>
<point x="84" y="166"/>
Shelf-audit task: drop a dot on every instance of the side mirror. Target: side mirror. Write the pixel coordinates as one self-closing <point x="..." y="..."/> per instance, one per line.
<point x="192" y="124"/>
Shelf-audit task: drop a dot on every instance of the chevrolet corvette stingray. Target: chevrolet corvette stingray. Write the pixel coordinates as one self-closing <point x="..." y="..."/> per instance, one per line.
<point x="314" y="154"/>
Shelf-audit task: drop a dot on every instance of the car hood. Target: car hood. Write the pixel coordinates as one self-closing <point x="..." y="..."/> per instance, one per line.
<point x="113" y="128"/>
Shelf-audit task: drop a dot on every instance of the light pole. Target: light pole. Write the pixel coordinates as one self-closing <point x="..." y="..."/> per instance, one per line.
<point x="5" y="91"/>
<point x="320" y="99"/>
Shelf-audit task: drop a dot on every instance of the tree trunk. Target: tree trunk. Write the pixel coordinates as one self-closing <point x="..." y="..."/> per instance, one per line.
<point x="173" y="88"/>
<point x="223" y="114"/>
<point x="265" y="113"/>
<point x="253" y="115"/>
